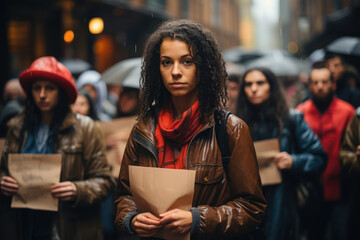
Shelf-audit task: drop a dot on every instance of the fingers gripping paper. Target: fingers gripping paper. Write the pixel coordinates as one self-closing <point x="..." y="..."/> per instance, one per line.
<point x="158" y="190"/>
<point x="35" y="174"/>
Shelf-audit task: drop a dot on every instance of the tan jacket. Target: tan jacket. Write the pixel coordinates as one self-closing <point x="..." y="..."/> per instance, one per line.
<point x="229" y="203"/>
<point x="349" y="162"/>
<point x="83" y="162"/>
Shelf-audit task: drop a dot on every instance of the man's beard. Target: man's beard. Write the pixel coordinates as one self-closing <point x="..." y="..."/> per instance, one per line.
<point x="323" y="103"/>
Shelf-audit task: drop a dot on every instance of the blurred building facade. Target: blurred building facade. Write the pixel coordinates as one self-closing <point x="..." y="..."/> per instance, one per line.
<point x="307" y="25"/>
<point x="31" y="29"/>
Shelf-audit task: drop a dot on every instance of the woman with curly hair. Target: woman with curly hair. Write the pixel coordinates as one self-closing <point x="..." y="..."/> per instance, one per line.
<point x="183" y="84"/>
<point x="262" y="105"/>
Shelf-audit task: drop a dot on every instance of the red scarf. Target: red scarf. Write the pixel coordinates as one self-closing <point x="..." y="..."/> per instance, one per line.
<point x="179" y="131"/>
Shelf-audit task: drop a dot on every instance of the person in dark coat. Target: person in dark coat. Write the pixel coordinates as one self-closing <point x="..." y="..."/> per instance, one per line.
<point x="262" y="105"/>
<point x="346" y="86"/>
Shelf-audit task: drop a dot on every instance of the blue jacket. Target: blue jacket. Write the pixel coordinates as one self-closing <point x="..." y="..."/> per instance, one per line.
<point x="309" y="161"/>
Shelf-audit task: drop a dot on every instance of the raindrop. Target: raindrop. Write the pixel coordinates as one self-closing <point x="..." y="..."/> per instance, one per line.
<point x="152" y="15"/>
<point x="135" y="48"/>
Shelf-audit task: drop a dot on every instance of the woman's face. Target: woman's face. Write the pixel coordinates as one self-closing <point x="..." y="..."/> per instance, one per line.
<point x="257" y="88"/>
<point x="45" y="94"/>
<point x="128" y="102"/>
<point x="177" y="68"/>
<point x="81" y="105"/>
<point x="91" y="90"/>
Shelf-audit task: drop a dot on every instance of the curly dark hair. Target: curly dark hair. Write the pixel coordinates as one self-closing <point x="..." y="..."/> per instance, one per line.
<point x="275" y="110"/>
<point x="33" y="115"/>
<point x="209" y="62"/>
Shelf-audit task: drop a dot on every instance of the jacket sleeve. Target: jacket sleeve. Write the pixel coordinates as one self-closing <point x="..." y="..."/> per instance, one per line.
<point x="348" y="160"/>
<point x="97" y="183"/>
<point x="246" y="206"/>
<point x="310" y="157"/>
<point x="125" y="206"/>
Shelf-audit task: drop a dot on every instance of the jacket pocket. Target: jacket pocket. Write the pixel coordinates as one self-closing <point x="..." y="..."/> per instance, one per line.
<point x="210" y="185"/>
<point x="72" y="164"/>
<point x="209" y="174"/>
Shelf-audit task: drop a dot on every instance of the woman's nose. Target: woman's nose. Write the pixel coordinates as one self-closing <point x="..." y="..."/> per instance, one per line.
<point x="176" y="69"/>
<point x="42" y="92"/>
<point x="254" y="87"/>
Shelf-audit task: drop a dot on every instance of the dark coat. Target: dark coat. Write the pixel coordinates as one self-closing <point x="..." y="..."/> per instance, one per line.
<point x="309" y="160"/>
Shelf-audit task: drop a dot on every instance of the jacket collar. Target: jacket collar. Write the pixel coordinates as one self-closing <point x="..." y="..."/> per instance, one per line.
<point x="146" y="127"/>
<point x="313" y="107"/>
<point x="17" y="122"/>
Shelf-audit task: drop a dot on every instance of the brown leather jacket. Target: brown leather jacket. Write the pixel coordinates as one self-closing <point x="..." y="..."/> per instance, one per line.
<point x="228" y="203"/>
<point x="84" y="163"/>
<point x="350" y="163"/>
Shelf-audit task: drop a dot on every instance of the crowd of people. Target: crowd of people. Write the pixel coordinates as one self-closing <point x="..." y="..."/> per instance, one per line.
<point x="184" y="85"/>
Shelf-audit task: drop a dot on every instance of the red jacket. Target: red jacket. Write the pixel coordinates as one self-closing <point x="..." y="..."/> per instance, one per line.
<point x="329" y="127"/>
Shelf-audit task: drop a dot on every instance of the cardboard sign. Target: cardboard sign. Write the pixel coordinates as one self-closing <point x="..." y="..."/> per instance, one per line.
<point x="158" y="190"/>
<point x="35" y="174"/>
<point x="266" y="151"/>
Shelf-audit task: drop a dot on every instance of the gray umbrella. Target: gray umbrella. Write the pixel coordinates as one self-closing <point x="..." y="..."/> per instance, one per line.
<point x="75" y="65"/>
<point x="124" y="72"/>
<point x="345" y="45"/>
<point x="280" y="64"/>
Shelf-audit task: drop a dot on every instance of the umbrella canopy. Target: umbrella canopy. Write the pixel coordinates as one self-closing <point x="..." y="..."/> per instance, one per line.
<point x="234" y="68"/>
<point x="124" y="72"/>
<point x="345" y="45"/>
<point x="280" y="64"/>
<point x="316" y="56"/>
<point x="240" y="55"/>
<point x="75" y="65"/>
<point x="133" y="78"/>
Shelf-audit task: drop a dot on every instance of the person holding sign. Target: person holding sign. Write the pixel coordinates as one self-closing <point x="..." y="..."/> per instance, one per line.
<point x="183" y="83"/>
<point x="48" y="126"/>
<point x="263" y="107"/>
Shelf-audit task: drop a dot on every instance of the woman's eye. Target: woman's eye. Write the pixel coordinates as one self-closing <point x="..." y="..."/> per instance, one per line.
<point x="50" y="88"/>
<point x="188" y="62"/>
<point x="165" y="63"/>
<point x="36" y="88"/>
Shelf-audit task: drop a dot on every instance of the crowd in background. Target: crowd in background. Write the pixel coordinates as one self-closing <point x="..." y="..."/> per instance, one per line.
<point x="319" y="142"/>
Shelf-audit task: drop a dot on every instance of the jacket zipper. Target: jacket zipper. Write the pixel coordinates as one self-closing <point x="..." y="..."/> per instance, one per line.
<point x="146" y="144"/>
<point x="191" y="140"/>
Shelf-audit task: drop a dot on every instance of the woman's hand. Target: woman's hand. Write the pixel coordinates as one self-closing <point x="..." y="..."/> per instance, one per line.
<point x="283" y="160"/>
<point x="64" y="191"/>
<point x="146" y="224"/>
<point x="177" y="221"/>
<point x="358" y="151"/>
<point x="9" y="185"/>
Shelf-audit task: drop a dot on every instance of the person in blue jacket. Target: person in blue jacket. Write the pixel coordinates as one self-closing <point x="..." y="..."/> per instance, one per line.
<point x="262" y="105"/>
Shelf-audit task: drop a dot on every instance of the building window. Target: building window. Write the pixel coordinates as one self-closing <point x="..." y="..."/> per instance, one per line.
<point x="216" y="12"/>
<point x="19" y="40"/>
<point x="156" y="4"/>
<point x="185" y="8"/>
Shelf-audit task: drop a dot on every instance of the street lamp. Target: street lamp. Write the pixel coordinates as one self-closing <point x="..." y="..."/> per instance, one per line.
<point x="96" y="25"/>
<point x="69" y="36"/>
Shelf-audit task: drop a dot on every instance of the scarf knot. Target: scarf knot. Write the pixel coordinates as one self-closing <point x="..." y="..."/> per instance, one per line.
<point x="170" y="132"/>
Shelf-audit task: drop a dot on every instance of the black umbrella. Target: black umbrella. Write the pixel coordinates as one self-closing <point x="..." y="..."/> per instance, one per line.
<point x="345" y="45"/>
